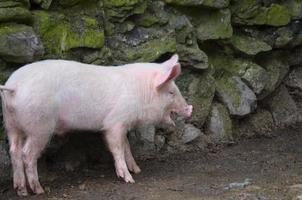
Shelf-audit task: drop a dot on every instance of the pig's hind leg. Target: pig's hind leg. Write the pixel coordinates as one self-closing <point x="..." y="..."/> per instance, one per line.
<point x="34" y="145"/>
<point x="16" y="140"/>
<point x="132" y="166"/>
<point x="115" y="137"/>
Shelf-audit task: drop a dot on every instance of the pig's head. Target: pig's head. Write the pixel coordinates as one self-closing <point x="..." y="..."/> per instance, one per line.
<point x="168" y="93"/>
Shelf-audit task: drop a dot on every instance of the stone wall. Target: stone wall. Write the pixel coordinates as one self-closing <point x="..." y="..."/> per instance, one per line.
<point x="241" y="58"/>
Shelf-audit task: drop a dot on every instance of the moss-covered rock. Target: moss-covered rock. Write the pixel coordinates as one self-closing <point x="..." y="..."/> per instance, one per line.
<point x="187" y="46"/>
<point x="142" y="44"/>
<point x="249" y="45"/>
<point x="215" y="25"/>
<point x="211" y="24"/>
<point x="219" y="126"/>
<point x="208" y="3"/>
<point x="154" y="14"/>
<point x="19" y="44"/>
<point x="60" y="34"/>
<point x="294" y="79"/>
<point x="283" y="108"/>
<point x="252" y="74"/>
<point x="119" y="10"/>
<point x="199" y="90"/>
<point x="15" y="14"/>
<point x="295" y="8"/>
<point x="15" y="3"/>
<point x="236" y="95"/>
<point x="276" y="37"/>
<point x="277" y="67"/>
<point x="252" y="12"/>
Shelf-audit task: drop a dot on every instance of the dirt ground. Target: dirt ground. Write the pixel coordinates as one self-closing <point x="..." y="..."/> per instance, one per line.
<point x="258" y="168"/>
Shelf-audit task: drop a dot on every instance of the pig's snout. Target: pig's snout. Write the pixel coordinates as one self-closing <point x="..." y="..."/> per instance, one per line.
<point x="188" y="111"/>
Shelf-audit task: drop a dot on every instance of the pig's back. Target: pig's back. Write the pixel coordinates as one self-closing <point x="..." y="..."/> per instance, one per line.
<point x="75" y="94"/>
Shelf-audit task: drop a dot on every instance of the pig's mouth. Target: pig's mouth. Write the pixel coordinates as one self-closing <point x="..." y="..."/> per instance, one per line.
<point x="174" y="114"/>
<point x="185" y="112"/>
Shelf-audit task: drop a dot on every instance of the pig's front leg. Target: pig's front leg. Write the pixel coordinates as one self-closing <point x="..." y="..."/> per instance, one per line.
<point x="132" y="166"/>
<point x="115" y="137"/>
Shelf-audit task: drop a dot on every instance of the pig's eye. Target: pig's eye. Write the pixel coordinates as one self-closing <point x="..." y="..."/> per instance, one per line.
<point x="171" y="92"/>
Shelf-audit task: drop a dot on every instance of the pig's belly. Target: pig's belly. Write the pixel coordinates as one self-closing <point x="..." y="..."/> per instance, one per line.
<point x="80" y="111"/>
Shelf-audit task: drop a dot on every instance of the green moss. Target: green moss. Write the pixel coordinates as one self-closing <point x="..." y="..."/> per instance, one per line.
<point x="277" y="15"/>
<point x="227" y="85"/>
<point x="252" y="12"/>
<point x="15" y="14"/>
<point x="146" y="20"/>
<point x="199" y="90"/>
<point x="249" y="45"/>
<point x="60" y="35"/>
<point x="214" y="25"/>
<point x="67" y="3"/>
<point x="119" y="10"/>
<point x="120" y="3"/>
<point x="221" y="114"/>
<point x="209" y="3"/>
<point x="149" y="51"/>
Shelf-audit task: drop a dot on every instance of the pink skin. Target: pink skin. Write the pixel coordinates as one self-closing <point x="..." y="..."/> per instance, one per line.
<point x="134" y="94"/>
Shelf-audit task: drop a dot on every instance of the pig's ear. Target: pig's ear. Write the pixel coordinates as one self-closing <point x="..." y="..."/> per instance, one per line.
<point x="171" y="62"/>
<point x="172" y="71"/>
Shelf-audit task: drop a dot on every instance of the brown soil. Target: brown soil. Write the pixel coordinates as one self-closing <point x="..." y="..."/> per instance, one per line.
<point x="272" y="165"/>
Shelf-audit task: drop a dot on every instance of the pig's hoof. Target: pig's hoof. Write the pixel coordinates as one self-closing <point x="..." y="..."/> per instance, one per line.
<point x="135" y="169"/>
<point x="38" y="190"/>
<point x="22" y="192"/>
<point x="129" y="179"/>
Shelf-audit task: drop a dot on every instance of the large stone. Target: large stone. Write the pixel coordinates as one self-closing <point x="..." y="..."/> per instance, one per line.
<point x="219" y="125"/>
<point x="144" y="142"/>
<point x="252" y="12"/>
<point x="259" y="123"/>
<point x="15" y="3"/>
<point x="118" y="11"/>
<point x="154" y="14"/>
<point x="277" y="67"/>
<point x="19" y="44"/>
<point x="252" y="74"/>
<point x="142" y="45"/>
<point x="187" y="46"/>
<point x="14" y="14"/>
<point x="249" y="45"/>
<point x="236" y="95"/>
<point x="190" y="133"/>
<point x="211" y="25"/>
<point x="208" y="3"/>
<point x="59" y="34"/>
<point x="199" y="90"/>
<point x="283" y="108"/>
<point x="295" y="8"/>
<point x="276" y="37"/>
<point x="294" y="79"/>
